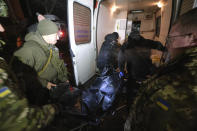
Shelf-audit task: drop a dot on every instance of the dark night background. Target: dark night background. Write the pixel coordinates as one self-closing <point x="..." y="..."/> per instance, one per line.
<point x="55" y="7"/>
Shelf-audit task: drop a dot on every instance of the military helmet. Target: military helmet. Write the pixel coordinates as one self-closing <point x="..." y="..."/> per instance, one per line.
<point x="3" y="9"/>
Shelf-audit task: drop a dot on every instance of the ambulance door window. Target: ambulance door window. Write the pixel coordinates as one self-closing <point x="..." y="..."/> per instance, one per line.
<point x="82" y="24"/>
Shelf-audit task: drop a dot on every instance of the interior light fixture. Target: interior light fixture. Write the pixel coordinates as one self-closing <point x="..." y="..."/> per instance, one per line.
<point x="136" y="11"/>
<point x="159" y="4"/>
<point x="114" y="7"/>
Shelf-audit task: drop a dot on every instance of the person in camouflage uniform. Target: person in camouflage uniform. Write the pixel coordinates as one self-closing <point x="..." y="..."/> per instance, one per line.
<point x="15" y="112"/>
<point x="3" y="13"/>
<point x="168" y="100"/>
<point x="3" y="9"/>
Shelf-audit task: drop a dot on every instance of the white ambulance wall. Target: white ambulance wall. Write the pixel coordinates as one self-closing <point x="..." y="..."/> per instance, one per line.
<point x="147" y="29"/>
<point x="120" y="27"/>
<point x="165" y="14"/>
<point x="129" y="26"/>
<point x="105" y="25"/>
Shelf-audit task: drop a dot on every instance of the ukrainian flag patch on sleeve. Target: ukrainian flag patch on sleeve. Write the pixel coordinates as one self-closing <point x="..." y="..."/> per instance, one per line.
<point x="4" y="92"/>
<point x="162" y="104"/>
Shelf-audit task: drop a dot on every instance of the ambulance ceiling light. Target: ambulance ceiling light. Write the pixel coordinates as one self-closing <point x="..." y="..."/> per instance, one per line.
<point x="136" y="11"/>
<point x="159" y="4"/>
<point x="114" y="7"/>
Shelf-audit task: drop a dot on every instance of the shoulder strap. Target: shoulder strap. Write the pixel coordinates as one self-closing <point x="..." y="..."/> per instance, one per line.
<point x="48" y="61"/>
<point x="49" y="58"/>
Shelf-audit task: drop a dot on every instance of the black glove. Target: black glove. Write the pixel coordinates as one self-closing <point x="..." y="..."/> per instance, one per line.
<point x="66" y="96"/>
<point x="70" y="96"/>
<point x="64" y="111"/>
<point x="57" y="91"/>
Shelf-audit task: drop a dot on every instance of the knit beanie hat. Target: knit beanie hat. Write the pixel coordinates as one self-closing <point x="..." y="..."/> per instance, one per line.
<point x="47" y="27"/>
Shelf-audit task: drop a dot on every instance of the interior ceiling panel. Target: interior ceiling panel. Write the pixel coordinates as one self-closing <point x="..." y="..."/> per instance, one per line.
<point x="147" y="5"/>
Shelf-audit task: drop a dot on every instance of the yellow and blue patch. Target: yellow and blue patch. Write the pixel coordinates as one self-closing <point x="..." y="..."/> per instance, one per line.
<point x="4" y="92"/>
<point x="163" y="104"/>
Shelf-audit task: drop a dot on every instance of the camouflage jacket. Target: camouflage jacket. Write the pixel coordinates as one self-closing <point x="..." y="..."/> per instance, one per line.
<point x="15" y="113"/>
<point x="168" y="101"/>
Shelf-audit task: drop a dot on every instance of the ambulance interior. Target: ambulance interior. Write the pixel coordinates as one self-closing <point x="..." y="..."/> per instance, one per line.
<point x="152" y="18"/>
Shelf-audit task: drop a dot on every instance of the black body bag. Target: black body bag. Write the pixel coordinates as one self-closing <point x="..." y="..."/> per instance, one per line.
<point x="102" y="93"/>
